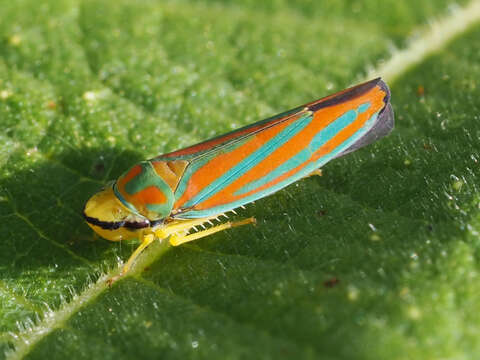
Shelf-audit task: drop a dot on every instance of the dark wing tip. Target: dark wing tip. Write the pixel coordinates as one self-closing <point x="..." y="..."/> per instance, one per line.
<point x="384" y="124"/>
<point x="346" y="95"/>
<point x="386" y="119"/>
<point x="384" y="87"/>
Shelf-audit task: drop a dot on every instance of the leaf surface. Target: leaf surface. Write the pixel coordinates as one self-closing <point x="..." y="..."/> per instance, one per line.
<point x="378" y="258"/>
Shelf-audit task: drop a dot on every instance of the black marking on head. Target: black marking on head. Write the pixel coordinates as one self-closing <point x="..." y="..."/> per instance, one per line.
<point x="107" y="225"/>
<point x="113" y="225"/>
<point x="137" y="224"/>
<point x="347" y="95"/>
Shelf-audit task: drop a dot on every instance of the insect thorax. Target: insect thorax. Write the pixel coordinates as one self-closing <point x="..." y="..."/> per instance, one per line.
<point x="147" y="189"/>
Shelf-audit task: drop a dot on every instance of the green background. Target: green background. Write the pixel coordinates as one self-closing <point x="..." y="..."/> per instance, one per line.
<point x="378" y="258"/>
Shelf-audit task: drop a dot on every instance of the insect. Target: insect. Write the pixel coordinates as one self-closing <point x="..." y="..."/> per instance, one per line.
<point x="168" y="196"/>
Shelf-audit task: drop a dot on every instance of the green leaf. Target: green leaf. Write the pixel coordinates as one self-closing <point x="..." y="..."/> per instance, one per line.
<point x="378" y="258"/>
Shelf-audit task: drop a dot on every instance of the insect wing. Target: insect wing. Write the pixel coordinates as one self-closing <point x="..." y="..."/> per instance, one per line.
<point x="260" y="159"/>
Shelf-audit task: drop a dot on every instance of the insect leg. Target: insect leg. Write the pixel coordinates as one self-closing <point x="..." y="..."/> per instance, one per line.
<point x="179" y="226"/>
<point x="176" y="240"/>
<point x="147" y="240"/>
<point x="317" y="172"/>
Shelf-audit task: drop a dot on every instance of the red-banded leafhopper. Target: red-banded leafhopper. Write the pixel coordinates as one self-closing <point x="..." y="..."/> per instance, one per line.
<point x="167" y="196"/>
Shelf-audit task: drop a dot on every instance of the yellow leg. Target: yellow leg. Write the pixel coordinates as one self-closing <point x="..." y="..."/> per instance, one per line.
<point x="316" y="172"/>
<point x="176" y="239"/>
<point x="147" y="240"/>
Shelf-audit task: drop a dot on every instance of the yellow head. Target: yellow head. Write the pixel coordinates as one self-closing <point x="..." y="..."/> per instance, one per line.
<point x="110" y="219"/>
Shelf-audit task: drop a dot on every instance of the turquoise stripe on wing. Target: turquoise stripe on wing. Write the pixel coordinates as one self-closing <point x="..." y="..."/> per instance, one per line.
<point x="195" y="214"/>
<point x="248" y="163"/>
<point x="318" y="141"/>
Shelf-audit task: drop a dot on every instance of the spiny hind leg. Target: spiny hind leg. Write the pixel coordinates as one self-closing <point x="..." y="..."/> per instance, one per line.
<point x="178" y="239"/>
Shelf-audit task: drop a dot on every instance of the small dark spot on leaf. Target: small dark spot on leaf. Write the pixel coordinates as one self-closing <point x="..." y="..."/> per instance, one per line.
<point x="321" y="213"/>
<point x="430" y="227"/>
<point x="100" y="167"/>
<point x="330" y="283"/>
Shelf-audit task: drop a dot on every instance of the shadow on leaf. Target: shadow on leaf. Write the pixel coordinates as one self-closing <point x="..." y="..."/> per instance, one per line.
<point x="44" y="234"/>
